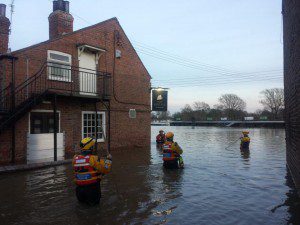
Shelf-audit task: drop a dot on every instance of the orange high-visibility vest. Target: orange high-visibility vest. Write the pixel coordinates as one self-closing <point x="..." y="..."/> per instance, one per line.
<point x="85" y="174"/>
<point x="168" y="153"/>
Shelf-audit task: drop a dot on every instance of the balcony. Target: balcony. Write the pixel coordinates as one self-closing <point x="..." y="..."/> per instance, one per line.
<point x="59" y="79"/>
<point x="75" y="81"/>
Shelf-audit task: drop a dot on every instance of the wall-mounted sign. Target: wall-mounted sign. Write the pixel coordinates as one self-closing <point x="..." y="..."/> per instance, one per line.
<point x="132" y="113"/>
<point x="159" y="100"/>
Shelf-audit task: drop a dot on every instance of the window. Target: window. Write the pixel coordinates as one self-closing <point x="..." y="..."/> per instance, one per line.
<point x="89" y="125"/>
<point x="59" y="66"/>
<point x="42" y="122"/>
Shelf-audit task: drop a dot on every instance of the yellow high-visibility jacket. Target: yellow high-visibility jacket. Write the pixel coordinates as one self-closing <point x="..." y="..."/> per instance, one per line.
<point x="175" y="147"/>
<point x="101" y="165"/>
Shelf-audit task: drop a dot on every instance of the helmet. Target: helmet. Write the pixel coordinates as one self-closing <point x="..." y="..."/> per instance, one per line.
<point x="245" y="132"/>
<point x="169" y="135"/>
<point x="87" y="143"/>
<point x="161" y="131"/>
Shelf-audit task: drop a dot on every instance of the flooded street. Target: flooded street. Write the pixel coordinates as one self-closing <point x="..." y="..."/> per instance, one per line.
<point x="219" y="185"/>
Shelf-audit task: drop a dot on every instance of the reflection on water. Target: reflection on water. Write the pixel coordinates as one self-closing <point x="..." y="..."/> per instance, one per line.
<point x="245" y="155"/>
<point x="292" y="202"/>
<point x="219" y="185"/>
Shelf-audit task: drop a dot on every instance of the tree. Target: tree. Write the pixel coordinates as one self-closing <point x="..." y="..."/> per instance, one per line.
<point x="187" y="113"/>
<point x="153" y="116"/>
<point x="215" y="113"/>
<point x="273" y="101"/>
<point x="201" y="109"/>
<point x="232" y="102"/>
<point x="201" y="106"/>
<point x="232" y="106"/>
<point x="176" y="116"/>
<point x="163" y="115"/>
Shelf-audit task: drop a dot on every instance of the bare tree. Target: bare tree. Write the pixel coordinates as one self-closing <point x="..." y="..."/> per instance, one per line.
<point x="201" y="106"/>
<point x="163" y="115"/>
<point x="187" y="113"/>
<point x="273" y="100"/>
<point x="201" y="109"/>
<point x="187" y="109"/>
<point x="232" y="102"/>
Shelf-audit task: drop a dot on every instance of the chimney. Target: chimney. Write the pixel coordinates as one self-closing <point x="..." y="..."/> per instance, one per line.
<point x="4" y="30"/>
<point x="60" y="20"/>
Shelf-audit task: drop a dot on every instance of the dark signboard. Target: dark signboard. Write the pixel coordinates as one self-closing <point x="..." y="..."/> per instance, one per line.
<point x="159" y="100"/>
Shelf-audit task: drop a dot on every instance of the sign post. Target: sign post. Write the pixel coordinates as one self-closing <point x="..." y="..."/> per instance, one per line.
<point x="160" y="100"/>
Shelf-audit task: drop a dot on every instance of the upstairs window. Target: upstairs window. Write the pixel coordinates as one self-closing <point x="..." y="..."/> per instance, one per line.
<point x="59" y="66"/>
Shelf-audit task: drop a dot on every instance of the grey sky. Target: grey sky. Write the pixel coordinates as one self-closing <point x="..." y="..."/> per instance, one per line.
<point x="243" y="36"/>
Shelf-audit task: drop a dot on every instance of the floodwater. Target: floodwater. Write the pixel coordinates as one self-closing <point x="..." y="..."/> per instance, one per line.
<point x="219" y="185"/>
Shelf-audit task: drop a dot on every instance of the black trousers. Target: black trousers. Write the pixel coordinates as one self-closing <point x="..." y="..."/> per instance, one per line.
<point x="171" y="164"/>
<point x="89" y="194"/>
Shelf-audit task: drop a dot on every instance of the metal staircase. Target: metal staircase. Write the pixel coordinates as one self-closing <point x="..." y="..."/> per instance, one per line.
<point x="51" y="79"/>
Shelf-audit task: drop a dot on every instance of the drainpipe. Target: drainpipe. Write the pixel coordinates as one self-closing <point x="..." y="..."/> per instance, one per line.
<point x="109" y="133"/>
<point x="27" y="75"/>
<point x="13" y="106"/>
<point x="96" y="128"/>
<point x="55" y="126"/>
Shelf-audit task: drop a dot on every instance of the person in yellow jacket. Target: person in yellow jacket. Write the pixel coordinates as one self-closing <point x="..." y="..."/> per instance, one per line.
<point x="245" y="141"/>
<point x="88" y="170"/>
<point x="172" y="152"/>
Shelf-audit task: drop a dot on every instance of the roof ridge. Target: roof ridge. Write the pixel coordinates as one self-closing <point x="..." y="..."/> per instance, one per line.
<point x="65" y="35"/>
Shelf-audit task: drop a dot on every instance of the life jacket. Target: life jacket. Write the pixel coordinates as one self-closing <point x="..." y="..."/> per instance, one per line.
<point x="85" y="174"/>
<point x="245" y="142"/>
<point x="160" y="138"/>
<point x="168" y="153"/>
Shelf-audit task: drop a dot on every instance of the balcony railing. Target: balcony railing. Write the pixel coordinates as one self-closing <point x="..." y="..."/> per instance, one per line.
<point x="60" y="79"/>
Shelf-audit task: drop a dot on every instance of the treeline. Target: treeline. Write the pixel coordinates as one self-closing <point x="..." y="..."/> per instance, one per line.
<point x="230" y="107"/>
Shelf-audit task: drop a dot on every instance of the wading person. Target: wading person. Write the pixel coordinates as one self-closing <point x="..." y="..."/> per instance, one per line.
<point x="89" y="170"/>
<point x="245" y="141"/>
<point x="172" y="153"/>
<point x="161" y="138"/>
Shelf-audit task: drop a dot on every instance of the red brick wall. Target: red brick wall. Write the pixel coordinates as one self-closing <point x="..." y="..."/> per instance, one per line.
<point x="60" y="23"/>
<point x="131" y="83"/>
<point x="291" y="19"/>
<point x="4" y="32"/>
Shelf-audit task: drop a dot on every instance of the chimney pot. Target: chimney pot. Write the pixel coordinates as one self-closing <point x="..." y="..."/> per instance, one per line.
<point x="67" y="6"/>
<point x="61" y="5"/>
<point x="3" y="10"/>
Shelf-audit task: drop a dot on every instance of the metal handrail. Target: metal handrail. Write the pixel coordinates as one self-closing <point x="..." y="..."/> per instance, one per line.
<point x="40" y="83"/>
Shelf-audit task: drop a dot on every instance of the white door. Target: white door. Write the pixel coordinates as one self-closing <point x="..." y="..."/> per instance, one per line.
<point x="87" y="74"/>
<point x="40" y="138"/>
<point x="40" y="147"/>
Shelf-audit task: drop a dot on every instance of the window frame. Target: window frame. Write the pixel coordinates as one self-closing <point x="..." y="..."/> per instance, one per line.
<point x="42" y="111"/>
<point x="103" y="124"/>
<point x="63" y="63"/>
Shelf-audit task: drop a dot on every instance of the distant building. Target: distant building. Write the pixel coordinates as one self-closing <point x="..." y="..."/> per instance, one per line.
<point x="78" y="75"/>
<point x="291" y="27"/>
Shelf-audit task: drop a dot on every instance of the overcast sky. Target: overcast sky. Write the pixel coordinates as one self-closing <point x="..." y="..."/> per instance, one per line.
<point x="199" y="49"/>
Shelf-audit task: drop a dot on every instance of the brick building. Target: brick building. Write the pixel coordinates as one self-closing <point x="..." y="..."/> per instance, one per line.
<point x="291" y="20"/>
<point x="74" y="75"/>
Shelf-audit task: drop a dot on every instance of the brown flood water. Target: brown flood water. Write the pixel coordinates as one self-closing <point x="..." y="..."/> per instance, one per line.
<point x="219" y="185"/>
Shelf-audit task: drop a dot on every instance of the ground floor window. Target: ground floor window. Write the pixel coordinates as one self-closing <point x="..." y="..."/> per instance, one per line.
<point x="42" y="122"/>
<point x="89" y="125"/>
